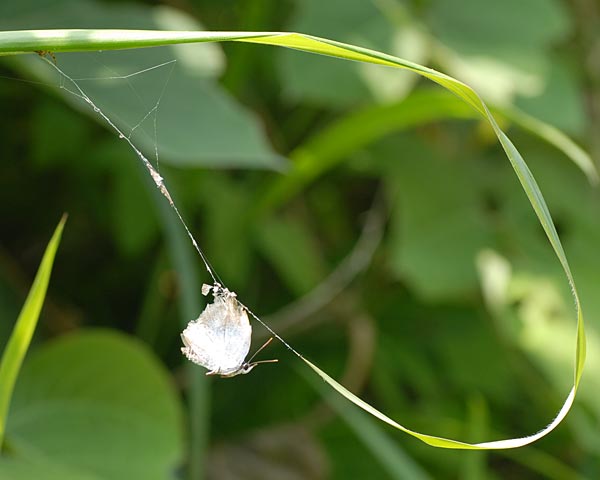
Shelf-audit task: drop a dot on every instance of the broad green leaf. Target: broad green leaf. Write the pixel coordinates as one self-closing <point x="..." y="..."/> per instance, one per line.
<point x="554" y="137"/>
<point x="334" y="144"/>
<point x="436" y="237"/>
<point x="100" y="403"/>
<point x="12" y="469"/>
<point x="293" y="251"/>
<point x="365" y="23"/>
<point x="199" y="123"/>
<point x="50" y="120"/>
<point x="561" y="93"/>
<point x="227" y="231"/>
<point x="18" y="343"/>
<point x="135" y="227"/>
<point x="316" y="78"/>
<point x="494" y="46"/>
<point x="484" y="25"/>
<point x="71" y="40"/>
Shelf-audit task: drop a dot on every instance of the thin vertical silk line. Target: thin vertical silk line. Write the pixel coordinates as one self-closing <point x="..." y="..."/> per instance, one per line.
<point x="160" y="184"/>
<point x="158" y="180"/>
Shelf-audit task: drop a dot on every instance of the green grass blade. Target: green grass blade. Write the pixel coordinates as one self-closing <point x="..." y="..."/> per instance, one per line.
<point x="19" y="341"/>
<point x="555" y="137"/>
<point x="325" y="150"/>
<point x="398" y="464"/>
<point x="72" y="40"/>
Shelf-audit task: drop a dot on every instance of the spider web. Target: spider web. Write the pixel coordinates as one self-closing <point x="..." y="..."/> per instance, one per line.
<point x="73" y="86"/>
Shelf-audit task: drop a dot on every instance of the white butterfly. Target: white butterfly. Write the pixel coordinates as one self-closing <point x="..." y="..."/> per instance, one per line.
<point x="219" y="339"/>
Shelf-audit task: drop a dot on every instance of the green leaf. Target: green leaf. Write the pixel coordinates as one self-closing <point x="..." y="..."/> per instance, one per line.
<point x="70" y="40"/>
<point x="134" y="224"/>
<point x="12" y="469"/>
<point x="554" y="137"/>
<point x="332" y="145"/>
<point x="200" y="124"/>
<point x="561" y="93"/>
<point x="226" y="203"/>
<point x="293" y="251"/>
<point x="99" y="403"/>
<point x="316" y="78"/>
<point x="50" y="120"/>
<point x="19" y="341"/>
<point x="494" y="46"/>
<point x="484" y="25"/>
<point x="435" y="237"/>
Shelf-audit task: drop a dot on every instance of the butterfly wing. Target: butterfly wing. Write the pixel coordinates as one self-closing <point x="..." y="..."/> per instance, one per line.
<point x="237" y="333"/>
<point x="220" y="338"/>
<point x="199" y="345"/>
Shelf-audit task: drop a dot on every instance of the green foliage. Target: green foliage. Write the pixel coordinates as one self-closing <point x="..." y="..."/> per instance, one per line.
<point x="361" y="23"/>
<point x="461" y="326"/>
<point x="277" y="238"/>
<point x="20" y="338"/>
<point x="424" y="236"/>
<point x="207" y="114"/>
<point x="98" y="404"/>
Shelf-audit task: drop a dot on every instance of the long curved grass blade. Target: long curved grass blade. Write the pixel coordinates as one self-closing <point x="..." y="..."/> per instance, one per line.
<point x="19" y="341"/>
<point x="72" y="40"/>
<point x="397" y="463"/>
<point x="555" y="137"/>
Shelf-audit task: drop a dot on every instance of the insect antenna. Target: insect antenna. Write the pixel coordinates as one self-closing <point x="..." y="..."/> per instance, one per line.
<point x="258" y="351"/>
<point x="274" y="360"/>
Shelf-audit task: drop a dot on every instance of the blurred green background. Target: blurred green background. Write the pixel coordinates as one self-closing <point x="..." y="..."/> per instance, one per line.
<point x="364" y="213"/>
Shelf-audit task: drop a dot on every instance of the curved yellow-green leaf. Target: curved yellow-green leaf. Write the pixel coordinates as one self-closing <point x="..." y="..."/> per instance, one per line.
<point x="19" y="340"/>
<point x="442" y="442"/>
<point x="72" y="40"/>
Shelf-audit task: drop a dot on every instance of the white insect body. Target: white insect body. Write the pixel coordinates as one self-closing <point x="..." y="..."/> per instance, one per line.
<point x="219" y="339"/>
